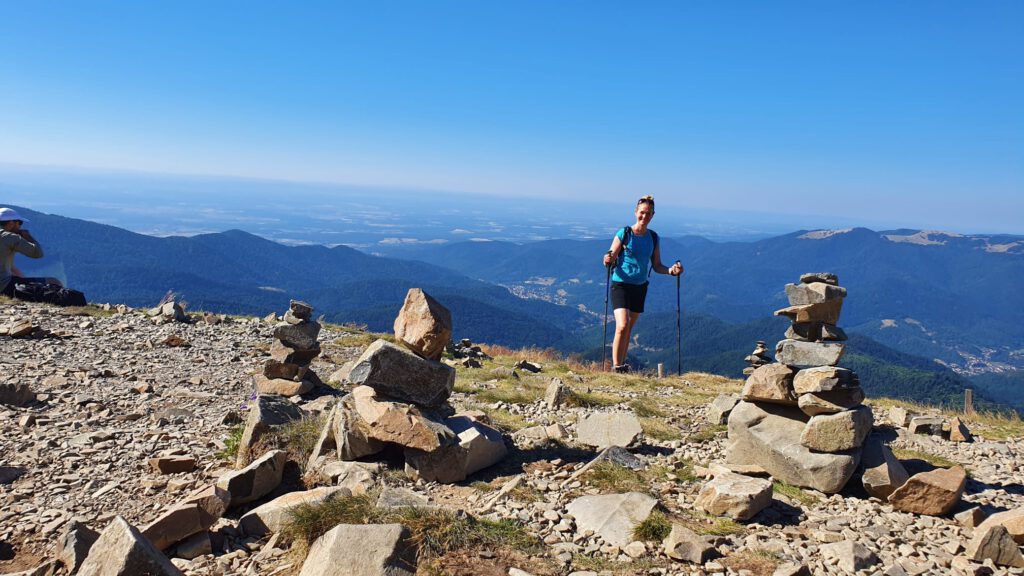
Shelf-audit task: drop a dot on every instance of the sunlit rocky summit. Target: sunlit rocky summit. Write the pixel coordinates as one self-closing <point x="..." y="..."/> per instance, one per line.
<point x="166" y="442"/>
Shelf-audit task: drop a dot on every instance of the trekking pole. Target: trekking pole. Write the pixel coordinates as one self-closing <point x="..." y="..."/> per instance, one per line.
<point x="679" y="330"/>
<point x="604" y="342"/>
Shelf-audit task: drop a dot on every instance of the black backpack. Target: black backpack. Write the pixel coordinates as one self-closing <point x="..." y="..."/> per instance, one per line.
<point x="49" y="293"/>
<point x="627" y="234"/>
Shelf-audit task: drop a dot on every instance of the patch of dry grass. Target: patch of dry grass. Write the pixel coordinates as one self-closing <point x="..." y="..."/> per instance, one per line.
<point x="756" y="561"/>
<point x="991" y="424"/>
<point x="659" y="429"/>
<point x="706" y="434"/>
<point x="297" y="438"/>
<point x="933" y="459"/>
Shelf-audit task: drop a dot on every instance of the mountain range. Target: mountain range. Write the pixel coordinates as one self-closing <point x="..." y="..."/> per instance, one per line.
<point x="919" y="305"/>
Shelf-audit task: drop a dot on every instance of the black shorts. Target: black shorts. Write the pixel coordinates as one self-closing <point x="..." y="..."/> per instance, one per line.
<point x="629" y="296"/>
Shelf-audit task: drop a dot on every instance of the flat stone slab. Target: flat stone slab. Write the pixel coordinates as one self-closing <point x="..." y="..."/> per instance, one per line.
<point x="603" y="429"/>
<point x="362" y="550"/>
<point x="1012" y="520"/>
<point x="612" y="516"/>
<point x="808" y="354"/>
<point x="825" y="312"/>
<point x="270" y="518"/>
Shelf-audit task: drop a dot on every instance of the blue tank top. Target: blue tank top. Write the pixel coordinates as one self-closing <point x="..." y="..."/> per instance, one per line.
<point x="632" y="267"/>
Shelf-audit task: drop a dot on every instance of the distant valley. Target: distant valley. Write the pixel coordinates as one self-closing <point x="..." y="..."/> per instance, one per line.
<point x="915" y="297"/>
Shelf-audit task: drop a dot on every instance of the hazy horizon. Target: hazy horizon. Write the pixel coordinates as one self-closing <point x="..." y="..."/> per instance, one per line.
<point x="867" y="112"/>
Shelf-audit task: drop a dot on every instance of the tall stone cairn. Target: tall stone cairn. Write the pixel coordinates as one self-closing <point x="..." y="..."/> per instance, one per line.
<point x="759" y="357"/>
<point x="802" y="417"/>
<point x="287" y="373"/>
<point x="400" y="398"/>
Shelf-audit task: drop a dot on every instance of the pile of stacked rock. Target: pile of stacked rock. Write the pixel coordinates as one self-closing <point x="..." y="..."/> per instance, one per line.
<point x="802" y="418"/>
<point x="287" y="373"/>
<point x="759" y="357"/>
<point x="400" y="399"/>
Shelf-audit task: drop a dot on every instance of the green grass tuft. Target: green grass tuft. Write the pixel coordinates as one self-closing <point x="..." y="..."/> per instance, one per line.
<point x="794" y="493"/>
<point x="231" y="443"/>
<point x="654" y="529"/>
<point x="706" y="434"/>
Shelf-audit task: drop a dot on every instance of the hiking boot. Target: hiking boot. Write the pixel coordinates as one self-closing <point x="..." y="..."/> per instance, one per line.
<point x="621" y="368"/>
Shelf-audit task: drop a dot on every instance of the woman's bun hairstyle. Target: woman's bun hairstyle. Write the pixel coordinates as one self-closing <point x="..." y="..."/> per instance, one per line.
<point x="646" y="200"/>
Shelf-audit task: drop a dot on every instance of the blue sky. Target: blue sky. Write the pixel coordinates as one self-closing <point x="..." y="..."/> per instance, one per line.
<point x="908" y="112"/>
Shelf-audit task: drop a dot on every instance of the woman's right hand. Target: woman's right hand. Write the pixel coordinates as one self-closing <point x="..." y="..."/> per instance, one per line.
<point x="607" y="259"/>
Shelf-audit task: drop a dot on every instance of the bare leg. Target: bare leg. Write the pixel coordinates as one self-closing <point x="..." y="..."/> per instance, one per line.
<point x="624" y="322"/>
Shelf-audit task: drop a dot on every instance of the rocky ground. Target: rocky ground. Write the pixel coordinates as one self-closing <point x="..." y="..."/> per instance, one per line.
<point x="114" y="390"/>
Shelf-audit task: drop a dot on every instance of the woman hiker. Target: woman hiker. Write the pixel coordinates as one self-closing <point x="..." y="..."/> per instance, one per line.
<point x="634" y="248"/>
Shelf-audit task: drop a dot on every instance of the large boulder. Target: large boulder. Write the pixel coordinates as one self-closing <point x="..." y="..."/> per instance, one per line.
<point x="837" y="432"/>
<point x="270" y="518"/>
<point x="797" y="353"/>
<point x="478" y="446"/>
<point x="398" y="373"/>
<point x="122" y="551"/>
<point x="771" y="383"/>
<point x="255" y="480"/>
<point x="266" y="413"/>
<point x="769" y="436"/>
<point x="933" y="493"/>
<point x="397" y="422"/>
<point x="603" y="429"/>
<point x="195" y="513"/>
<point x="423" y="324"/>
<point x="362" y="550"/>
<point x="612" y="516"/>
<point x="734" y="495"/>
<point x="75" y="543"/>
<point x="883" y="472"/>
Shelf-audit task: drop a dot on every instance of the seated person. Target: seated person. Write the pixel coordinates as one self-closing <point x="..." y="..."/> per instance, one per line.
<point x="15" y="239"/>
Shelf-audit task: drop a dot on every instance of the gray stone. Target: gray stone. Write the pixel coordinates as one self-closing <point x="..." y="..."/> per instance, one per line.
<point x="299" y="337"/>
<point x="832" y="402"/>
<point x="395" y="372"/>
<point x="934" y="493"/>
<point x="614" y="454"/>
<point x="265" y="413"/>
<point x="883" y="472"/>
<point x="397" y="422"/>
<point x="300" y="309"/>
<point x="807" y="354"/>
<point x="423" y="324"/>
<point x="612" y="516"/>
<point x="122" y="551"/>
<point x="194" y="546"/>
<point x="771" y="383"/>
<point x="1012" y="520"/>
<point x="850" y="556"/>
<point x="718" y="411"/>
<point x="769" y="436"/>
<point x="900" y="416"/>
<point x="283" y="353"/>
<point x="393" y="497"/>
<point x="792" y="569"/>
<point x="556" y="394"/>
<point x="362" y="550"/>
<point x="931" y="425"/>
<point x="958" y="431"/>
<point x="815" y="332"/>
<point x="825" y="312"/>
<point x="837" y="432"/>
<point x="75" y="544"/>
<point x="255" y="480"/>
<point x="193" y="514"/>
<point x="686" y="545"/>
<point x="271" y="517"/>
<point x="970" y="518"/>
<point x="281" y="386"/>
<point x="994" y="543"/>
<point x="826" y="277"/>
<point x="736" y="496"/>
<point x="357" y="477"/>
<point x="813" y="293"/>
<point x="477" y="447"/>
<point x="824" y="379"/>
<point x="603" y="429"/>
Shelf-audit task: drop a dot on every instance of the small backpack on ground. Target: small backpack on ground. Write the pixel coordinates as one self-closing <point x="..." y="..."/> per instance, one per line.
<point x="49" y="293"/>
<point x="627" y="233"/>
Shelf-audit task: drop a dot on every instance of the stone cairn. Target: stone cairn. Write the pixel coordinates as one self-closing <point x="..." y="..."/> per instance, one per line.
<point x="802" y="418"/>
<point x="287" y="373"/>
<point x="759" y="357"/>
<point x="400" y="400"/>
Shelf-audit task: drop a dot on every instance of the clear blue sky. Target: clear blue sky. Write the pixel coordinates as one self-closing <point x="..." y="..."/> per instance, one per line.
<point x="913" y="110"/>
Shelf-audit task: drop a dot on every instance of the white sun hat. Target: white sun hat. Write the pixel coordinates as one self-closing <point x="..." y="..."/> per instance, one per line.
<point x="8" y="214"/>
